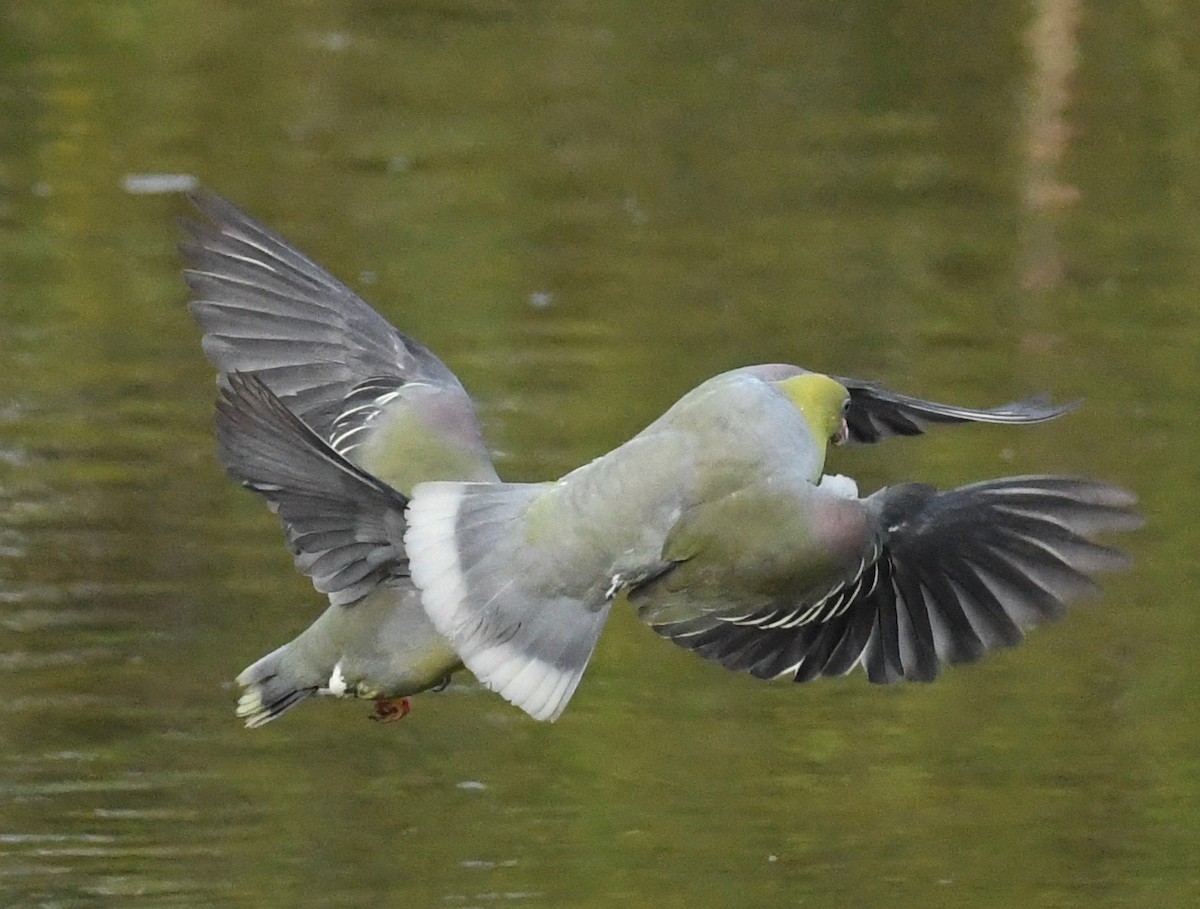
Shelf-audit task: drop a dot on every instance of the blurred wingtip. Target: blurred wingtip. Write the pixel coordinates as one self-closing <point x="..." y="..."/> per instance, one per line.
<point x="1037" y="409"/>
<point x="1059" y="410"/>
<point x="210" y="203"/>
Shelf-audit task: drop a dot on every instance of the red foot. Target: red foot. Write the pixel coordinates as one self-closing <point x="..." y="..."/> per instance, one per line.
<point x="388" y="710"/>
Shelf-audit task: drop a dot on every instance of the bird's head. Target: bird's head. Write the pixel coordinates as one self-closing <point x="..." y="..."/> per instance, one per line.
<point x="821" y="401"/>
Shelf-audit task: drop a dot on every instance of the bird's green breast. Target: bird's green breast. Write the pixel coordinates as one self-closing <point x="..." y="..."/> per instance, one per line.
<point x="403" y="450"/>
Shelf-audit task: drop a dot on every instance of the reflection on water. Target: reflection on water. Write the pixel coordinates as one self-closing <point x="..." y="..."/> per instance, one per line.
<point x="1053" y="39"/>
<point x="586" y="211"/>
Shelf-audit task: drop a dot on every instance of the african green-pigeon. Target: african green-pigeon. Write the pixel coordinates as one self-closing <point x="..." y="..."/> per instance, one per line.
<point x="715" y="523"/>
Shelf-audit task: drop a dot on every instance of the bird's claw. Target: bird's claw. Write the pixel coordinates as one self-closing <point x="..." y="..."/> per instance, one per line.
<point x="388" y="710"/>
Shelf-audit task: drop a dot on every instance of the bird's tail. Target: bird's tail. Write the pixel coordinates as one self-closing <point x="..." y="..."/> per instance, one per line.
<point x="508" y="607"/>
<point x="271" y="687"/>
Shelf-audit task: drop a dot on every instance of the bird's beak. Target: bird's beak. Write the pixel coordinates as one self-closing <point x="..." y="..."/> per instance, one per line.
<point x="843" y="433"/>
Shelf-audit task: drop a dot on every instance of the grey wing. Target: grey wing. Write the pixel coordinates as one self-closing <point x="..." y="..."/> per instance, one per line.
<point x="944" y="578"/>
<point x="268" y="309"/>
<point x="344" y="528"/>
<point x="874" y="413"/>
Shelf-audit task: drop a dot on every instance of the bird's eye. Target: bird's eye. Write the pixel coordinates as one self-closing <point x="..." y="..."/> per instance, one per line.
<point x="846" y="406"/>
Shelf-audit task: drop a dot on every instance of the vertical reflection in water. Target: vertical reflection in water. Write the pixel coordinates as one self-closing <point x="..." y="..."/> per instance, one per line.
<point x="1052" y="40"/>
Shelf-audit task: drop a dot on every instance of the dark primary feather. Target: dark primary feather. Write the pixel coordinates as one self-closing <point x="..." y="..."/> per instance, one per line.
<point x="949" y="576"/>
<point x="268" y="309"/>
<point x="344" y="527"/>
<point x="876" y="413"/>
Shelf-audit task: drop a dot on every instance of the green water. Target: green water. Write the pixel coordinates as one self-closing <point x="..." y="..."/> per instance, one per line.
<point x="586" y="209"/>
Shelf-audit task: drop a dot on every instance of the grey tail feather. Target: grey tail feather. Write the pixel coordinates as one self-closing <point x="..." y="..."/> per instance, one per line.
<point x="269" y="689"/>
<point x="517" y="625"/>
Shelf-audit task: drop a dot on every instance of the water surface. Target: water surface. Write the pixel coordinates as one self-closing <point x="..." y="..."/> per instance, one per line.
<point x="586" y="209"/>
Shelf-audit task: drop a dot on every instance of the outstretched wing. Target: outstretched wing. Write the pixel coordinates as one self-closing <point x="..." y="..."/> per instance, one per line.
<point x="943" y="578"/>
<point x="875" y="413"/>
<point x="344" y="527"/>
<point x="383" y="400"/>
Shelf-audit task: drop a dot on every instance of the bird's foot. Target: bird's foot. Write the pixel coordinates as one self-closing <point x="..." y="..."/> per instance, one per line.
<point x="388" y="710"/>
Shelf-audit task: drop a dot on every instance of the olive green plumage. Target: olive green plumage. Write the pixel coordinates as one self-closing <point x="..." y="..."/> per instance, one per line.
<point x="715" y="523"/>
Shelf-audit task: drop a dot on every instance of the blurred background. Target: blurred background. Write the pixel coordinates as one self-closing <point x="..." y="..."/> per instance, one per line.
<point x="586" y="209"/>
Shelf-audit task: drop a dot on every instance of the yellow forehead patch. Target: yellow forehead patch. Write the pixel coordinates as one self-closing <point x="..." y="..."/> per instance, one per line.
<point x="819" y="398"/>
